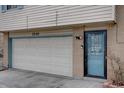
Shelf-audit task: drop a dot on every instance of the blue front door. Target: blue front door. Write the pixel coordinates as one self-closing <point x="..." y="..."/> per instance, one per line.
<point x="95" y="43"/>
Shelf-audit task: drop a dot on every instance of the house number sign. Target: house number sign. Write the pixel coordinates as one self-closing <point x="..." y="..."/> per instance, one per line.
<point x="35" y="34"/>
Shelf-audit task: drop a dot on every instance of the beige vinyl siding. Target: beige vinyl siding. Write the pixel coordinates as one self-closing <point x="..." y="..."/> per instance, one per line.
<point x="85" y="14"/>
<point x="35" y="16"/>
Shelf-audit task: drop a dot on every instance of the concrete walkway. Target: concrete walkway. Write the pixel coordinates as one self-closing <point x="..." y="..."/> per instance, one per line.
<point x="27" y="79"/>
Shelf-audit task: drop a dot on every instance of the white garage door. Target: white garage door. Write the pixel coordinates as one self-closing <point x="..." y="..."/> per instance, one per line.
<point x="50" y="55"/>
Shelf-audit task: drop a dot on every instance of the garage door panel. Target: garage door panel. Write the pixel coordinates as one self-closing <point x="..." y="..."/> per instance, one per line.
<point x="50" y="55"/>
<point x="62" y="62"/>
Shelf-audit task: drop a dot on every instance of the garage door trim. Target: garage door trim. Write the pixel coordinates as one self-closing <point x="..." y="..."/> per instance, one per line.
<point x="10" y="45"/>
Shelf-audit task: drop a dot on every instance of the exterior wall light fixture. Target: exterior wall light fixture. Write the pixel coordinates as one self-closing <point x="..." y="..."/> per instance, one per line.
<point x="78" y="37"/>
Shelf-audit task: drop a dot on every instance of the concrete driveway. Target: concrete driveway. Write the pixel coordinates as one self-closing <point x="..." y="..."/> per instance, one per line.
<point x="14" y="78"/>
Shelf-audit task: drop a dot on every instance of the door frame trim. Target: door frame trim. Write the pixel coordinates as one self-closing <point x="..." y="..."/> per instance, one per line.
<point x="105" y="55"/>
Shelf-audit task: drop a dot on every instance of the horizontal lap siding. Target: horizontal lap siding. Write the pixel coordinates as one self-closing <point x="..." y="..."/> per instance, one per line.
<point x="85" y="14"/>
<point x="34" y="16"/>
<point x="30" y="16"/>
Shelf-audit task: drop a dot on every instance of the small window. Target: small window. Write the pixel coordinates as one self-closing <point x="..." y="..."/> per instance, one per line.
<point x="11" y="7"/>
<point x="5" y="8"/>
